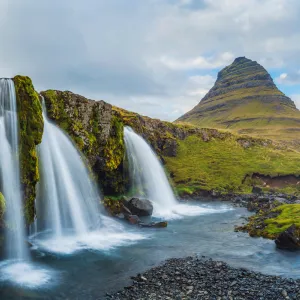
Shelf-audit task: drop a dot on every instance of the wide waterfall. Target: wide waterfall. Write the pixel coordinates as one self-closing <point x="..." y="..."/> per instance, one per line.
<point x="68" y="204"/>
<point x="149" y="180"/>
<point x="16" y="247"/>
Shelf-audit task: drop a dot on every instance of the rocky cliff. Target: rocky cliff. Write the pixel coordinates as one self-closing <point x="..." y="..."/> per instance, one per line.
<point x="31" y="127"/>
<point x="246" y="100"/>
<point x="96" y="131"/>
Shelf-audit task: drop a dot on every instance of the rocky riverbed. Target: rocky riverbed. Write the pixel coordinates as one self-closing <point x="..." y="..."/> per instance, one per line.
<point x="199" y="278"/>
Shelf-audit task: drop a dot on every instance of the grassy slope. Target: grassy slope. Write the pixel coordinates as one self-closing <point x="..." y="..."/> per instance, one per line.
<point x="222" y="165"/>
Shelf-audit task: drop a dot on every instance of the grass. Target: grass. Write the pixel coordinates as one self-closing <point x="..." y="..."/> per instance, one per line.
<point x="224" y="165"/>
<point x="289" y="214"/>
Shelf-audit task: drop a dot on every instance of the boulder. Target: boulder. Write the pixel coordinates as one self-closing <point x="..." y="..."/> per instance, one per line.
<point x="154" y="225"/>
<point x="140" y="207"/>
<point x="289" y="239"/>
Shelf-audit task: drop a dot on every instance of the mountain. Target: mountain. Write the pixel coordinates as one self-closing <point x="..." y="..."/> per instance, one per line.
<point x="246" y="100"/>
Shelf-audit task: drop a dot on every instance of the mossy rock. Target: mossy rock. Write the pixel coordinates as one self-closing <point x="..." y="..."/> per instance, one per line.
<point x="2" y="207"/>
<point x="31" y="127"/>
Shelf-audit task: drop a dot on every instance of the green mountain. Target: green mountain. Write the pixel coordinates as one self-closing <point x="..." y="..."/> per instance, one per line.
<point x="245" y="99"/>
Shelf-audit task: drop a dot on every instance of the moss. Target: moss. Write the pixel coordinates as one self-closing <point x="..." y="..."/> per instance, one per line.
<point x="114" y="153"/>
<point x="287" y="215"/>
<point x="271" y="222"/>
<point x="2" y="207"/>
<point x="31" y="130"/>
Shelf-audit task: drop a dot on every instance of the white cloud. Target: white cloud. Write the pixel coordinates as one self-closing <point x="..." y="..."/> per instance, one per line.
<point x="152" y="56"/>
<point x="296" y="99"/>
<point x="292" y="78"/>
<point x="199" y="62"/>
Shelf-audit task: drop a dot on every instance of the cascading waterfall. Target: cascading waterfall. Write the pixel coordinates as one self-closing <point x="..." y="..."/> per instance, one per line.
<point x="149" y="180"/>
<point x="10" y="172"/>
<point x="18" y="266"/>
<point x="68" y="203"/>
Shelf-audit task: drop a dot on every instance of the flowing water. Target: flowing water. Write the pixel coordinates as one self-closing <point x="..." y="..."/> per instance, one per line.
<point x="149" y="180"/>
<point x="89" y="274"/>
<point x="16" y="247"/>
<point x="68" y="205"/>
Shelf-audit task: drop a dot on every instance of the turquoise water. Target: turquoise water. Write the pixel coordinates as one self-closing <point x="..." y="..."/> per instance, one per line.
<point x="90" y="273"/>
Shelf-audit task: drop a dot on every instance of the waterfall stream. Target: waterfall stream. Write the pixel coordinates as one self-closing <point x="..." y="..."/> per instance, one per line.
<point x="149" y="180"/>
<point x="16" y="247"/>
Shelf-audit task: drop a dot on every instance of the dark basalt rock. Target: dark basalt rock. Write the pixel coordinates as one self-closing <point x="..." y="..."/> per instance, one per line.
<point x="198" y="278"/>
<point x="289" y="239"/>
<point x="154" y="225"/>
<point x="140" y="207"/>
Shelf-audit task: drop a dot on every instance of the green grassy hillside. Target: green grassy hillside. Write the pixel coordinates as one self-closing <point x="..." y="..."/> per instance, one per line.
<point x="227" y="164"/>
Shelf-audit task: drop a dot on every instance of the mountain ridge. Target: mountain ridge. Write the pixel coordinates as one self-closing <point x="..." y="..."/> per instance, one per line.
<point x="245" y="99"/>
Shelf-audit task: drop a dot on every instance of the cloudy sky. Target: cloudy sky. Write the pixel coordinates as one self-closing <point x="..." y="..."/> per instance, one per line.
<point x="156" y="57"/>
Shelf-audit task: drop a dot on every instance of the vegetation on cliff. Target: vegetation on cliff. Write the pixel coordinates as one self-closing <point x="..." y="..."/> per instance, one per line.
<point x="95" y="130"/>
<point x="31" y="127"/>
<point x="2" y="208"/>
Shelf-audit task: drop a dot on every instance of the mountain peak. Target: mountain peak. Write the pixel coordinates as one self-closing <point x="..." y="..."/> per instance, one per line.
<point x="244" y="98"/>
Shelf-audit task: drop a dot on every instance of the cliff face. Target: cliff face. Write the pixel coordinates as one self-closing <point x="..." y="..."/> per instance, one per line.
<point x="245" y="99"/>
<point x="31" y="126"/>
<point x="196" y="158"/>
<point x="97" y="133"/>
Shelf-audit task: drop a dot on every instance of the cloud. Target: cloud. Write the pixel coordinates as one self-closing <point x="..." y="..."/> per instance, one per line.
<point x="292" y="78"/>
<point x="199" y="62"/>
<point x="296" y="99"/>
<point x="152" y="56"/>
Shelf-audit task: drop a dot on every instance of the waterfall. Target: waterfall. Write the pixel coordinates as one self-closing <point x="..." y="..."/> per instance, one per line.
<point x="69" y="217"/>
<point x="10" y="173"/>
<point x="68" y="200"/>
<point x="149" y="180"/>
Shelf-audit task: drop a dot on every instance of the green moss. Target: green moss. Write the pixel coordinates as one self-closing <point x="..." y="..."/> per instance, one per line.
<point x="114" y="152"/>
<point x="288" y="214"/>
<point x="2" y="207"/>
<point x="223" y="164"/>
<point x="31" y="130"/>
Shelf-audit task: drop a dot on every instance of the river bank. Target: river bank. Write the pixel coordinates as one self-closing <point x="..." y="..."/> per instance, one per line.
<point x="198" y="278"/>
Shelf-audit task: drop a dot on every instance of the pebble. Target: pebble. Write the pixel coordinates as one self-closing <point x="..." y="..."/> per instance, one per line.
<point x="194" y="278"/>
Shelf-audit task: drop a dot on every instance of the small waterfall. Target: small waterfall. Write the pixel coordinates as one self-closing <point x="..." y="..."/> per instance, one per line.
<point x="10" y="172"/>
<point x="148" y="178"/>
<point x="68" y="200"/>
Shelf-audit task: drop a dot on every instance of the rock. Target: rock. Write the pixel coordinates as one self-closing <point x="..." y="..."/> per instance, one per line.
<point x="198" y="278"/>
<point x="140" y="207"/>
<point x="154" y="224"/>
<point x="281" y="200"/>
<point x="288" y="240"/>
<point x="257" y="190"/>
<point x="132" y="219"/>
